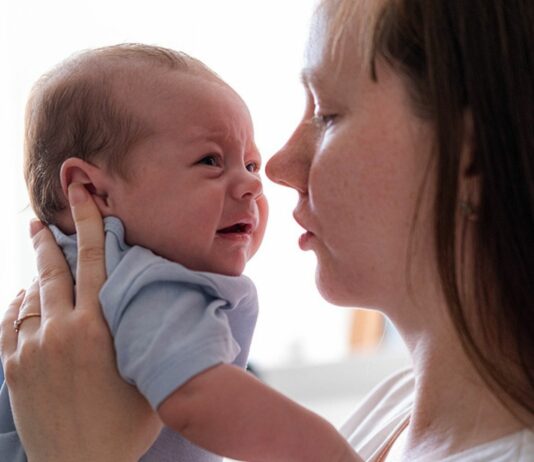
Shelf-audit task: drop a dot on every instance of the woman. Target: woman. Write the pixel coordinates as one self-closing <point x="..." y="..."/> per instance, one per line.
<point x="414" y="164"/>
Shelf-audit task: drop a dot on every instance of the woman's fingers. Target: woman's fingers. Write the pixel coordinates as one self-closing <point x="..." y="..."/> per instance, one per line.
<point x="31" y="302"/>
<point x="91" y="270"/>
<point x="8" y="336"/>
<point x="31" y="306"/>
<point x="55" y="280"/>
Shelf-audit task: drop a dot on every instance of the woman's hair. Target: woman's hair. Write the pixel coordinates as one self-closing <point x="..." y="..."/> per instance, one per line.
<point x="473" y="57"/>
<point x="75" y="111"/>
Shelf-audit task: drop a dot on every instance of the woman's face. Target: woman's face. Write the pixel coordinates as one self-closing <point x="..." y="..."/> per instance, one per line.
<point x="357" y="160"/>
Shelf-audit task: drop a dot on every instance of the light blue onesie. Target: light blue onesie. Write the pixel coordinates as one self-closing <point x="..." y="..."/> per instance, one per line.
<point x="169" y="323"/>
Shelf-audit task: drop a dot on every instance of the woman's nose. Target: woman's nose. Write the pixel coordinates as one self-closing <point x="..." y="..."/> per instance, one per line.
<point x="290" y="165"/>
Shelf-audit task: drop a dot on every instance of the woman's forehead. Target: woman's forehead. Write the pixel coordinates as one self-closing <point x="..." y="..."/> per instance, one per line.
<point x="328" y="58"/>
<point x="340" y="28"/>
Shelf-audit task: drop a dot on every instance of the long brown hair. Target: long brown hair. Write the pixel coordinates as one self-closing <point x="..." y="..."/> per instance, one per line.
<point x="476" y="57"/>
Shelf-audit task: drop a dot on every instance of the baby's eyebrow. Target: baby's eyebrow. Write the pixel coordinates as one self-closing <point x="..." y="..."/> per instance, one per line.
<point x="200" y="133"/>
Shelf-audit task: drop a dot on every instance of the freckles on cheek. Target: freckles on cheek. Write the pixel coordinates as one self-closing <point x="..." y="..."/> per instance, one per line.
<point x="327" y="192"/>
<point x="334" y="174"/>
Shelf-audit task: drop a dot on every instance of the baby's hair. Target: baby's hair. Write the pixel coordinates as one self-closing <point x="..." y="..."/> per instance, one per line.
<point x="73" y="111"/>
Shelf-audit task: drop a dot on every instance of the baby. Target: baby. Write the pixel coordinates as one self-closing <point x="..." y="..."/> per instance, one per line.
<point x="166" y="148"/>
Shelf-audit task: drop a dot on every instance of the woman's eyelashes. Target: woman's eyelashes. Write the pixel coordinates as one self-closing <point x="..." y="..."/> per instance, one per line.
<point x="324" y="120"/>
<point x="320" y="107"/>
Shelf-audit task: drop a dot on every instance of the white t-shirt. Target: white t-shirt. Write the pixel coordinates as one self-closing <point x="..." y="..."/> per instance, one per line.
<point x="388" y="406"/>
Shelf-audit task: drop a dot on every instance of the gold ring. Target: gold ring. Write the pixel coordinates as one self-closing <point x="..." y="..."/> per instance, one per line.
<point x="18" y="322"/>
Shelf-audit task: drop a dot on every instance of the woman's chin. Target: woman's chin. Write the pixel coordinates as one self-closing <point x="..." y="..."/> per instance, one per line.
<point x="333" y="290"/>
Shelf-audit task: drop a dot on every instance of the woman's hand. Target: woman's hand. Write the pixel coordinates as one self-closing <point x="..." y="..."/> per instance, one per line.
<point x="68" y="400"/>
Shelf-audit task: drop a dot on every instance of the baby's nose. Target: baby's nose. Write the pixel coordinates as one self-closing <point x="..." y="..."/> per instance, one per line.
<point x="249" y="186"/>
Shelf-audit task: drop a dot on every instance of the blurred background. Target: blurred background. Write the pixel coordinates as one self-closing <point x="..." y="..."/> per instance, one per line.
<point x="326" y="357"/>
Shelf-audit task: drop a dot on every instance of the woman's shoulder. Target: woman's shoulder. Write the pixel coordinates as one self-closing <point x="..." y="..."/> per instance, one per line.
<point x="381" y="413"/>
<point x="386" y="408"/>
<point x="391" y="398"/>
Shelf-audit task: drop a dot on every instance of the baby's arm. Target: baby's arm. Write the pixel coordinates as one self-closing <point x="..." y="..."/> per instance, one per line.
<point x="175" y="336"/>
<point x="229" y="412"/>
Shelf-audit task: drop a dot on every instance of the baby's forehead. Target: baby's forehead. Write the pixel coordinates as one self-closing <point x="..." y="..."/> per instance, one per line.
<point x="138" y="75"/>
<point x="138" y="85"/>
<point x="143" y="91"/>
<point x="151" y="92"/>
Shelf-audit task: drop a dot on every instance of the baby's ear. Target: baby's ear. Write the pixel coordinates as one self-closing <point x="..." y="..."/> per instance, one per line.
<point x="94" y="178"/>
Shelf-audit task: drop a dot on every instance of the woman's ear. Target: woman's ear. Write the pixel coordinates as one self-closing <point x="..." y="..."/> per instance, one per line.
<point x="95" y="179"/>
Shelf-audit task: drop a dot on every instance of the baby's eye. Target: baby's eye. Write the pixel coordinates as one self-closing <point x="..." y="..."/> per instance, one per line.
<point x="212" y="160"/>
<point x="252" y="166"/>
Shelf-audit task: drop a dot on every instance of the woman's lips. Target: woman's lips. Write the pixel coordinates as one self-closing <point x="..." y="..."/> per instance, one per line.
<point x="305" y="240"/>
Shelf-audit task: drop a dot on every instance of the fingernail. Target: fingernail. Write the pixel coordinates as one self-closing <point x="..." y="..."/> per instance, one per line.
<point x="35" y="226"/>
<point x="21" y="291"/>
<point x="77" y="194"/>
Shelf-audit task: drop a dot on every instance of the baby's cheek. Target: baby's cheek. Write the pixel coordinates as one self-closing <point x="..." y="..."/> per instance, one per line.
<point x="257" y="236"/>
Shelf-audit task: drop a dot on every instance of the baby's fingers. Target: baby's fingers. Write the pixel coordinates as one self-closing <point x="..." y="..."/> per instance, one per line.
<point x="91" y="271"/>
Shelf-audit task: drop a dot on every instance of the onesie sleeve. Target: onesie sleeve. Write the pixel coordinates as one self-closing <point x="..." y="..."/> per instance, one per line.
<point x="168" y="324"/>
<point x="10" y="445"/>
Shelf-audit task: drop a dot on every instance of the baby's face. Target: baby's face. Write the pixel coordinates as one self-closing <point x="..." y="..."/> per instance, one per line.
<point x="195" y="196"/>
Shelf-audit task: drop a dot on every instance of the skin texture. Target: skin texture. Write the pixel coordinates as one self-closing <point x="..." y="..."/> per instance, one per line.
<point x="358" y="161"/>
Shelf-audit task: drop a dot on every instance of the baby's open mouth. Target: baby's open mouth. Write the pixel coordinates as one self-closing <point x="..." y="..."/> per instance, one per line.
<point x="238" y="228"/>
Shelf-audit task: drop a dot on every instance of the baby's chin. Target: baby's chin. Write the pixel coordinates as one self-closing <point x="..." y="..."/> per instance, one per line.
<point x="233" y="264"/>
<point x="225" y="268"/>
<point x="229" y="271"/>
<point x="229" y="264"/>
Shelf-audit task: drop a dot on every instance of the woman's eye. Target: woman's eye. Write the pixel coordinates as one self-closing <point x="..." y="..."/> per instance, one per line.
<point x="324" y="120"/>
<point x="212" y="160"/>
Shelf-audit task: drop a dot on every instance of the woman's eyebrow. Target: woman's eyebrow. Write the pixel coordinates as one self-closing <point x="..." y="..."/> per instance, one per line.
<point x="310" y="77"/>
<point x="304" y="77"/>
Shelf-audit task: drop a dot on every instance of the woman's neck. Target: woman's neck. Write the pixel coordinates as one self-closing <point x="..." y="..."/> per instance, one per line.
<point x="454" y="409"/>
